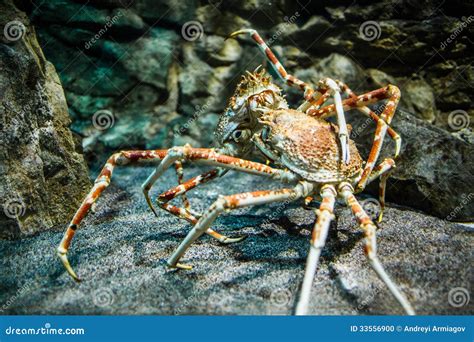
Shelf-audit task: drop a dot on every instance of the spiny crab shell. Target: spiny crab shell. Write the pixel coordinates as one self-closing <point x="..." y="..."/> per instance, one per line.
<point x="308" y="146"/>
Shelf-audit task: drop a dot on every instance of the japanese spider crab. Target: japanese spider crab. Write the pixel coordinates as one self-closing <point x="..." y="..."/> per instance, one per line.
<point x="314" y="155"/>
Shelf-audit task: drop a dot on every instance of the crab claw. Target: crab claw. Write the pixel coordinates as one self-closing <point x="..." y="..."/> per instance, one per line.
<point x="62" y="255"/>
<point x="228" y="240"/>
<point x="244" y="31"/>
<point x="344" y="148"/>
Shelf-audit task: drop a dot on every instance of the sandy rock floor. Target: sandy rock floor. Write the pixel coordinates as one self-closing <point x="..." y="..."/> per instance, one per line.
<point x="120" y="253"/>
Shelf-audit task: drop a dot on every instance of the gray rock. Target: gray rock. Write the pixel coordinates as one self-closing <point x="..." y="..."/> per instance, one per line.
<point x="43" y="173"/>
<point x="120" y="251"/>
<point x="434" y="172"/>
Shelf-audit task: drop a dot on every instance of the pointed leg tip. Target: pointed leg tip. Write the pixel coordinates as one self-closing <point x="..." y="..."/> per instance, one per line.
<point x="236" y="33"/>
<point x="179" y="266"/>
<point x="228" y="240"/>
<point x="380" y="218"/>
<point x="68" y="267"/>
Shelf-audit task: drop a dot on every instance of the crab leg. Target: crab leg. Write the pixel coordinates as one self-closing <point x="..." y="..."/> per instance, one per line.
<point x="318" y="239"/>
<point x="101" y="183"/>
<point x="369" y="229"/>
<point x="368" y="112"/>
<point x="183" y="213"/>
<point x="359" y="103"/>
<point x="329" y="87"/>
<point x="310" y="94"/>
<point x="383" y="171"/>
<point x="212" y="157"/>
<point x="232" y="202"/>
<point x="392" y="93"/>
<point x="291" y="80"/>
<point x="180" y="173"/>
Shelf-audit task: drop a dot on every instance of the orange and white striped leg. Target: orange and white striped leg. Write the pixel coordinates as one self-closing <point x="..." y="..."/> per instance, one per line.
<point x="310" y="95"/>
<point x="371" y="114"/>
<point x="383" y="170"/>
<point x="212" y="157"/>
<point x="393" y="94"/>
<point x="347" y="193"/>
<point x="101" y="183"/>
<point x="147" y="187"/>
<point x="180" y="190"/>
<point x="232" y="202"/>
<point x="318" y="239"/>
<point x="390" y="93"/>
<point x="180" y="174"/>
<point x="290" y="80"/>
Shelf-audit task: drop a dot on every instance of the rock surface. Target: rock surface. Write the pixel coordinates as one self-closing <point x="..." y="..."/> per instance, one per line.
<point x="120" y="253"/>
<point x="43" y="175"/>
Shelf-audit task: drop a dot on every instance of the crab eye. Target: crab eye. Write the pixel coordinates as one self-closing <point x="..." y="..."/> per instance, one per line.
<point x="237" y="134"/>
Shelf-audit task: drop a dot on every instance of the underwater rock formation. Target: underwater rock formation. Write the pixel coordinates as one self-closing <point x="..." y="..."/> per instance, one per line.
<point x="43" y="175"/>
<point x="120" y="253"/>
